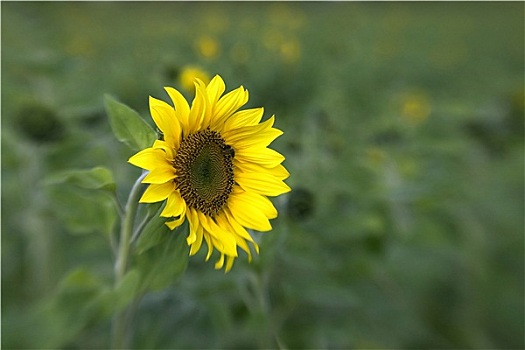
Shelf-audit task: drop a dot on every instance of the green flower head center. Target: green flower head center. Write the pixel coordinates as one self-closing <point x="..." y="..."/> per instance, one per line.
<point x="204" y="168"/>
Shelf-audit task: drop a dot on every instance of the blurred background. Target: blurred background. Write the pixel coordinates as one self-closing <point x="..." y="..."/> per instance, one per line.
<point x="403" y="133"/>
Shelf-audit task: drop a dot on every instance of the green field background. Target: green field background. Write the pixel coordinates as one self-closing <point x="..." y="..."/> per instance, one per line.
<point x="403" y="133"/>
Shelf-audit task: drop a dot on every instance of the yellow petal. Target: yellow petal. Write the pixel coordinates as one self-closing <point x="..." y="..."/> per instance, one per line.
<point x="175" y="205"/>
<point x="215" y="89"/>
<point x="251" y="129"/>
<point x="219" y="262"/>
<point x="164" y="116"/>
<point x="247" y="131"/>
<point x="246" y="214"/>
<point x="238" y="228"/>
<point x="265" y="157"/>
<point x="279" y="171"/>
<point x="207" y="114"/>
<point x="182" y="109"/>
<point x="172" y="225"/>
<point x="262" y="184"/>
<point x="258" y="202"/>
<point x="229" y="263"/>
<point x="227" y="105"/>
<point x="226" y="241"/>
<point x="149" y="159"/>
<point x="198" y="107"/>
<point x="159" y="175"/>
<point x="191" y="214"/>
<point x="166" y="148"/>
<point x="207" y="237"/>
<point x="246" y="117"/>
<point x="196" y="245"/>
<point x="157" y="192"/>
<point x="260" y="138"/>
<point x="222" y="221"/>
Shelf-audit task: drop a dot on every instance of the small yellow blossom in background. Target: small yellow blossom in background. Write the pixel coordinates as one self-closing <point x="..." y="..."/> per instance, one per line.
<point x="415" y="107"/>
<point x="80" y="46"/>
<point x="214" y="168"/>
<point x="290" y="51"/>
<point x="272" y="39"/>
<point x="375" y="155"/>
<point x="518" y="100"/>
<point x="208" y="47"/>
<point x="189" y="74"/>
<point x="284" y="29"/>
<point x="287" y="48"/>
<point x="288" y="16"/>
<point x="215" y="20"/>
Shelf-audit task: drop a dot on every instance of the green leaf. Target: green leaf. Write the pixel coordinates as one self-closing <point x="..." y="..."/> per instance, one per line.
<point x="126" y="290"/>
<point x="80" y="279"/>
<point x="128" y="126"/>
<point x="62" y="316"/>
<point x="98" y="178"/>
<point x="83" y="213"/>
<point x="154" y="231"/>
<point x="165" y="262"/>
<point x="80" y="208"/>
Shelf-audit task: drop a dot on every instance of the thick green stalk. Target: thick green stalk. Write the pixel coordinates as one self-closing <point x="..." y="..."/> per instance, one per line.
<point x="121" y="263"/>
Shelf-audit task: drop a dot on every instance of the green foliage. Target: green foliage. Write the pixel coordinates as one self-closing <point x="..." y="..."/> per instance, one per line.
<point x="92" y="212"/>
<point x="127" y="290"/>
<point x="162" y="255"/>
<point x="97" y="178"/>
<point x="79" y="300"/>
<point x="92" y="191"/>
<point x="128" y="126"/>
<point x="154" y="231"/>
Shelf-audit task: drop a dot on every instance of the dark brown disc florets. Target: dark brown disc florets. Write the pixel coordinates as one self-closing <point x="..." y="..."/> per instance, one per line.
<point x="204" y="168"/>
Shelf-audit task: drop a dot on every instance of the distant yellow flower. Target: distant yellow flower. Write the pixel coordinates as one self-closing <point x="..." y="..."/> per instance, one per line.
<point x="189" y="74"/>
<point x="375" y="155"/>
<point x="415" y="107"/>
<point x="208" y="47"/>
<point x="213" y="168"/>
<point x="273" y="39"/>
<point x="290" y="51"/>
<point x="286" y="15"/>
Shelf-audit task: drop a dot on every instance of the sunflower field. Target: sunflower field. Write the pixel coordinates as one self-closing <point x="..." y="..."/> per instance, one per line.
<point x="403" y="136"/>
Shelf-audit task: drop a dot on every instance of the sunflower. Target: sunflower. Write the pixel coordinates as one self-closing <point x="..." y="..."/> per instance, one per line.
<point x="213" y="168"/>
<point x="189" y="74"/>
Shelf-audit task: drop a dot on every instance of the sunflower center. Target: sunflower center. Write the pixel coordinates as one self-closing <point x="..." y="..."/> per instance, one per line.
<point x="204" y="166"/>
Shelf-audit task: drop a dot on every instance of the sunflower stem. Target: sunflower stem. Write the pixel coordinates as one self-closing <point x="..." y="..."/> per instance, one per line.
<point x="121" y="263"/>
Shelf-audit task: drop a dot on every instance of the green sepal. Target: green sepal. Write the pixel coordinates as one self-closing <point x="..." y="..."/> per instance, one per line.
<point x="128" y="126"/>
